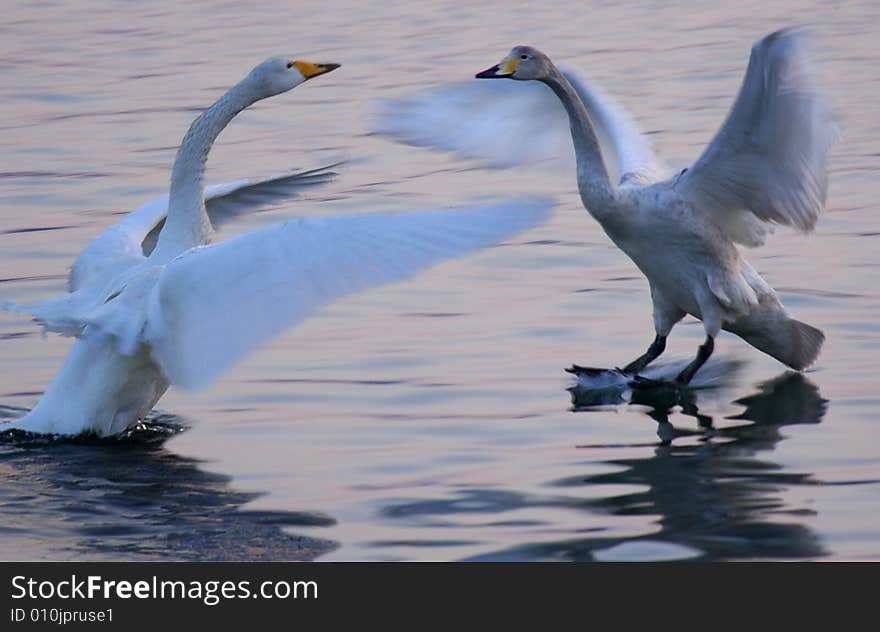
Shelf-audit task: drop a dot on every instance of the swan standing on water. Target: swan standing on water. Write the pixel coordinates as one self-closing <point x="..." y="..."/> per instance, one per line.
<point x="767" y="164"/>
<point x="151" y="312"/>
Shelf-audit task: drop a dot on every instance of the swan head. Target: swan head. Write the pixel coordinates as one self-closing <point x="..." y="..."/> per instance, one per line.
<point x="280" y="74"/>
<point x="523" y="63"/>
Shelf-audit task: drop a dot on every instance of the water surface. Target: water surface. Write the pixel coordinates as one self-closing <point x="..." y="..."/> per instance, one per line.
<point x="432" y="420"/>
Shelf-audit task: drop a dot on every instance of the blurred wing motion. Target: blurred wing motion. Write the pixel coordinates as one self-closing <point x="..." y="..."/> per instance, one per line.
<point x="626" y="151"/>
<point x="225" y="202"/>
<point x="505" y="123"/>
<point x="132" y="238"/>
<point x="769" y="159"/>
<point x="213" y="305"/>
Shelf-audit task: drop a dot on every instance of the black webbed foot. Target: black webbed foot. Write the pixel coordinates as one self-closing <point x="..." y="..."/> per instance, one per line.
<point x="590" y="371"/>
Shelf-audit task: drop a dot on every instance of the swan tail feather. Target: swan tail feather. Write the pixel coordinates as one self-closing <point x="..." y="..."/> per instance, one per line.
<point x="770" y="329"/>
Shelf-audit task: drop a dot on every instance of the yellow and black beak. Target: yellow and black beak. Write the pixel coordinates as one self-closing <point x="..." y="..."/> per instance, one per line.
<point x="500" y="71"/>
<point x="308" y="70"/>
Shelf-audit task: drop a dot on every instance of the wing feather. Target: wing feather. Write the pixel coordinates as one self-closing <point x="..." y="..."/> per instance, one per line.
<point x="769" y="159"/>
<point x="128" y="241"/>
<point x="507" y="123"/>
<point x="213" y="305"/>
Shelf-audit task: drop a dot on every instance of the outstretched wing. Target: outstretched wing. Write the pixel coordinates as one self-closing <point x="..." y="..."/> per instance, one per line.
<point x="626" y="151"/>
<point x="213" y="305"/>
<point x="506" y="123"/>
<point x="129" y="240"/>
<point x="769" y="159"/>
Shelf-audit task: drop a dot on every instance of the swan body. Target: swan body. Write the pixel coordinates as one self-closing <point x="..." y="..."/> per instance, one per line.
<point x="766" y="165"/>
<point x="153" y="303"/>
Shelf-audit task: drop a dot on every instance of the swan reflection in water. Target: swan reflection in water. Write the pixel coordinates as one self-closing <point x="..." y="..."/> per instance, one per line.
<point x="707" y="493"/>
<point x="716" y="496"/>
<point x="130" y="498"/>
<point x="711" y="495"/>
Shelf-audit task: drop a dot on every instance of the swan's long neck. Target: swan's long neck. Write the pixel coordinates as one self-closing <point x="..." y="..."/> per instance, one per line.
<point x="594" y="183"/>
<point x="187" y="224"/>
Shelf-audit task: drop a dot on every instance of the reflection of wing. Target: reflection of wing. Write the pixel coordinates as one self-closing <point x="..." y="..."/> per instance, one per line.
<point x="512" y="122"/>
<point x="770" y="156"/>
<point x="126" y="242"/>
<point x="213" y="305"/>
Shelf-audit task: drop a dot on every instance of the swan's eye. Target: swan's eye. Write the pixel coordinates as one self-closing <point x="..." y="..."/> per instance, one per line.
<point x="290" y="64"/>
<point x="523" y="56"/>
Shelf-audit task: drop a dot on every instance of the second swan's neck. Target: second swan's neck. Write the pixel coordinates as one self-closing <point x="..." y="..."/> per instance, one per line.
<point x="594" y="183"/>
<point x="187" y="224"/>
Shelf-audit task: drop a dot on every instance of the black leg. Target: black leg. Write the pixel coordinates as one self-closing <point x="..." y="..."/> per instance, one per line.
<point x="657" y="347"/>
<point x="703" y="354"/>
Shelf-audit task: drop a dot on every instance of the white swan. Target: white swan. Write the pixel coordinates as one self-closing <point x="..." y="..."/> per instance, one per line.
<point x="181" y="311"/>
<point x="767" y="164"/>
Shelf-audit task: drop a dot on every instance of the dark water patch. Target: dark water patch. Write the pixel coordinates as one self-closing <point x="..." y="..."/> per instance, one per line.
<point x="721" y="495"/>
<point x="146" y="75"/>
<point x="369" y="185"/>
<point x="617" y="446"/>
<point x="433" y="544"/>
<point x="109" y="530"/>
<point x="434" y="314"/>
<point x="16" y="334"/>
<point x="790" y="398"/>
<point x="438" y="417"/>
<point x="153" y="149"/>
<point x="36" y="277"/>
<point x="16" y="231"/>
<point x="743" y="541"/>
<point x="51" y="174"/>
<point x="819" y="293"/>
<point x="282" y="380"/>
<point x="469" y="501"/>
<point x="12" y="412"/>
<point x="155" y="429"/>
<point x="623" y="278"/>
<point x="290" y="518"/>
<point x="864" y="481"/>
<point x="557" y="242"/>
<point x="129" y="498"/>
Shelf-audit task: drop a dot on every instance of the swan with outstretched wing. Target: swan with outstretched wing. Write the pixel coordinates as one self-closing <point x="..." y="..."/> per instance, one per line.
<point x="154" y="303"/>
<point x="766" y="165"/>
